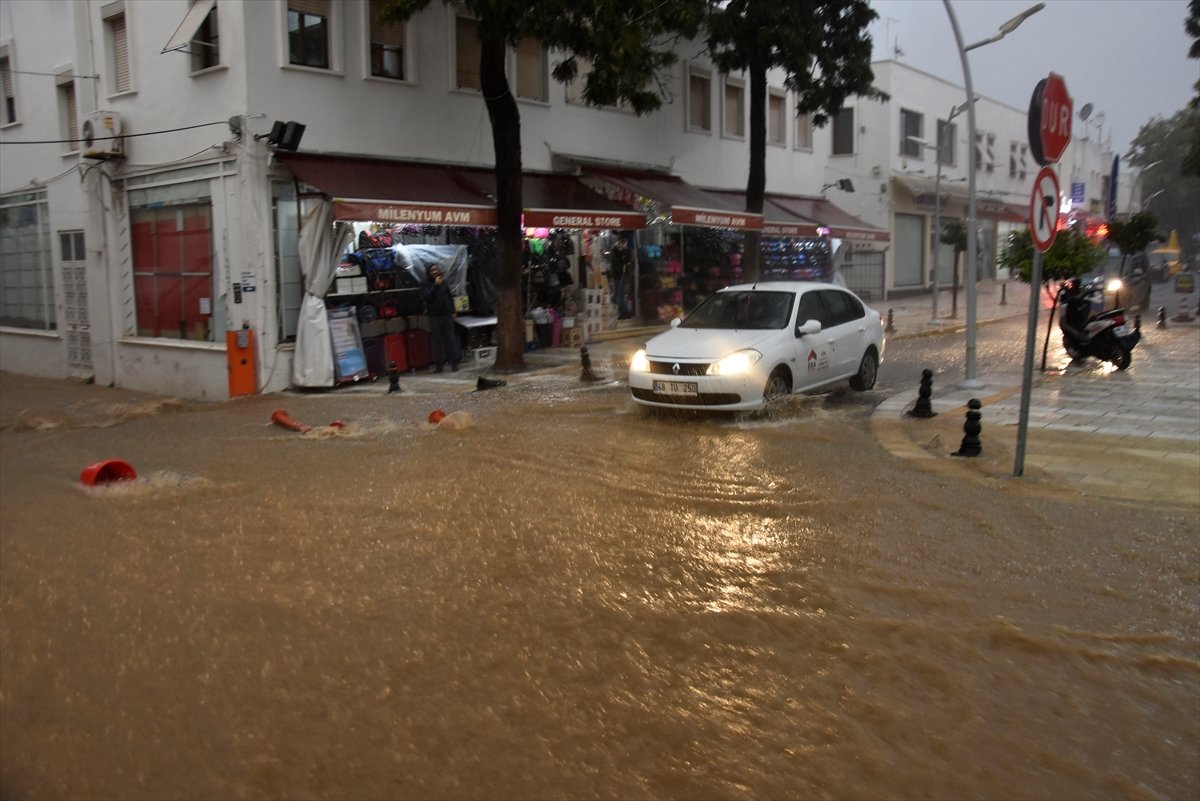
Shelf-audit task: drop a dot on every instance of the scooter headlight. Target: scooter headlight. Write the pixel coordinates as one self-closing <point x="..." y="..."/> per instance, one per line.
<point x="1114" y="285"/>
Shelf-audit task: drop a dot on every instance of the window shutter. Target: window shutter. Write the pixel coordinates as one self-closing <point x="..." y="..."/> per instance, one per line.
<point x="8" y="81"/>
<point x="318" y="7"/>
<point x="389" y="35"/>
<point x="120" y="53"/>
<point x="72" y="115"/>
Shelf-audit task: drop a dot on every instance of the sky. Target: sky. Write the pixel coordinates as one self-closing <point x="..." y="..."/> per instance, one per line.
<point x="1128" y="58"/>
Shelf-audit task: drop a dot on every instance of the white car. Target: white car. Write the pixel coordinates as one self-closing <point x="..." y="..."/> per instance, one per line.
<point x="748" y="344"/>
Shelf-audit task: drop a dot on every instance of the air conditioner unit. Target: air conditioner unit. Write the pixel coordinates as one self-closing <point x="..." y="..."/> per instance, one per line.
<point x="101" y="136"/>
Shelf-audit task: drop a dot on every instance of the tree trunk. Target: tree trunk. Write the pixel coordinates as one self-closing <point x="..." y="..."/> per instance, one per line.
<point x="756" y="184"/>
<point x="506" y="140"/>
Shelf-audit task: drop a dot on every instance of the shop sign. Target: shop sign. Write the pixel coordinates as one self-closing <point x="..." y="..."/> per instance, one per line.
<point x="682" y="215"/>
<point x="785" y="229"/>
<point x="858" y="235"/>
<point x="609" y="220"/>
<point x="413" y="213"/>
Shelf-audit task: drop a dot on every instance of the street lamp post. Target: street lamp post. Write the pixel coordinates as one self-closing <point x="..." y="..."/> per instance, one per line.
<point x="971" y="381"/>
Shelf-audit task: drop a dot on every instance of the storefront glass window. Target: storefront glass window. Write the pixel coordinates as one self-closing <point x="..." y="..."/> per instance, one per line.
<point x="173" y="270"/>
<point x="26" y="281"/>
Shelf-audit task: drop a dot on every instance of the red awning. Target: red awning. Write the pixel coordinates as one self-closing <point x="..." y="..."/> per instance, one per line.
<point x="383" y="190"/>
<point x="686" y="204"/>
<point x="841" y="224"/>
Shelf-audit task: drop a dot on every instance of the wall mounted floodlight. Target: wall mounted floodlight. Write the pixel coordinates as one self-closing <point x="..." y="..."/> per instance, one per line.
<point x="284" y="135"/>
<point x="844" y="184"/>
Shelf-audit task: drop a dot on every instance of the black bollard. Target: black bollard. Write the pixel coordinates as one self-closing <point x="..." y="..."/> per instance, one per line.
<point x="1162" y="317"/>
<point x="393" y="378"/>
<point x="891" y="323"/>
<point x="586" y="360"/>
<point x="923" y="407"/>
<point x="1004" y="294"/>
<point x="970" y="442"/>
<point x="1137" y="322"/>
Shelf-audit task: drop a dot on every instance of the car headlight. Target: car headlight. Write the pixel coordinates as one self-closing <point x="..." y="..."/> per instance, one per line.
<point x="639" y="363"/>
<point x="735" y="363"/>
<point x="1114" y="285"/>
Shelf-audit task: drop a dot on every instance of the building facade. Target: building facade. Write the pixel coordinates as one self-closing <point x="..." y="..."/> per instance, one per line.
<point x="152" y="191"/>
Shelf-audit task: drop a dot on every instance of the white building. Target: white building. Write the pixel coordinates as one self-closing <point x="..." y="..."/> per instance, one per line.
<point x="135" y="260"/>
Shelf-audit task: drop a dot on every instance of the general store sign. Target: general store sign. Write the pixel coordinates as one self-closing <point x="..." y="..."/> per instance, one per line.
<point x="611" y="220"/>
<point x="681" y="215"/>
<point x="414" y="213"/>
<point x="786" y="229"/>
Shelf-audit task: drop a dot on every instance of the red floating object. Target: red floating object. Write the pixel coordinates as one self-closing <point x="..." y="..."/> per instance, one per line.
<point x="282" y="418"/>
<point x="436" y="416"/>
<point x="107" y="471"/>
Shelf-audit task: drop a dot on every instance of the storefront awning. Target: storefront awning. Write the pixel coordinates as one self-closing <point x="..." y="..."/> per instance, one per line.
<point x="395" y="191"/>
<point x="686" y="204"/>
<point x="804" y="217"/>
<point x="381" y="190"/>
<point x="924" y="192"/>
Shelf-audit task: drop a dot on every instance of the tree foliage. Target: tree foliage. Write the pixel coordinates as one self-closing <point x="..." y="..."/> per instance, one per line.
<point x="1071" y="255"/>
<point x="823" y="48"/>
<point x="1136" y="234"/>
<point x="1169" y="183"/>
<point x="625" y="46"/>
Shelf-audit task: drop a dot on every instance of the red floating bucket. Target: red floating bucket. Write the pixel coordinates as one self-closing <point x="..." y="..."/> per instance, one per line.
<point x="107" y="471"/>
<point x="436" y="416"/>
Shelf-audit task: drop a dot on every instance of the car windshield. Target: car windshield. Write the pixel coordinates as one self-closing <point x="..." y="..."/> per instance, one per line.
<point x="760" y="311"/>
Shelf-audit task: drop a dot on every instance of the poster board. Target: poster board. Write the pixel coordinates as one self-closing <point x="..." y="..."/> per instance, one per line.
<point x="349" y="359"/>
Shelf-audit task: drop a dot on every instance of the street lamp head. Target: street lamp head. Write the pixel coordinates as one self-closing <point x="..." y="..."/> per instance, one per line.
<point x="1016" y="21"/>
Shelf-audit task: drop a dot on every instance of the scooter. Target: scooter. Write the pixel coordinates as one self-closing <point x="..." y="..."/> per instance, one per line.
<point x="1104" y="335"/>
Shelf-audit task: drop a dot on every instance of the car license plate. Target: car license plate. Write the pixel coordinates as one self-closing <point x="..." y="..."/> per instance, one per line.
<point x="1123" y="330"/>
<point x="675" y="387"/>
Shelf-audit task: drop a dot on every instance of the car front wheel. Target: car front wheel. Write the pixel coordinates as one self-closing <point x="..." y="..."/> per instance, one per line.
<point x="868" y="370"/>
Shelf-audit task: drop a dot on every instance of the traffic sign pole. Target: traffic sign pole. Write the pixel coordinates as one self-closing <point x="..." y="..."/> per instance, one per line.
<point x="1035" y="283"/>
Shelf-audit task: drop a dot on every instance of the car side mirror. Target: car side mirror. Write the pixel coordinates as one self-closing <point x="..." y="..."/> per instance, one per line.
<point x="675" y="321"/>
<point x="808" y="327"/>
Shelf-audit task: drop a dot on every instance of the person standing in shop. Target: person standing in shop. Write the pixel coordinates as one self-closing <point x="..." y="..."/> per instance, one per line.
<point x="620" y="264"/>
<point x="439" y="305"/>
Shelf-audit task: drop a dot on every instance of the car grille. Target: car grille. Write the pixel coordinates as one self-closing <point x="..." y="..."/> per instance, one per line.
<point x="668" y="368"/>
<point x="703" y="399"/>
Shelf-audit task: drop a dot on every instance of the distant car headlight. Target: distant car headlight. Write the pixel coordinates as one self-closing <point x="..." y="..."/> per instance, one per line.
<point x="639" y="363"/>
<point x="735" y="363"/>
<point x="1114" y="285"/>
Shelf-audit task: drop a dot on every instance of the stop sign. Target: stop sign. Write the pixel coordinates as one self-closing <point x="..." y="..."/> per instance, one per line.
<point x="1049" y="119"/>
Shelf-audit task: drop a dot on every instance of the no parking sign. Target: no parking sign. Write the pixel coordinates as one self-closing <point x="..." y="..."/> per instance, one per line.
<point x="1043" y="209"/>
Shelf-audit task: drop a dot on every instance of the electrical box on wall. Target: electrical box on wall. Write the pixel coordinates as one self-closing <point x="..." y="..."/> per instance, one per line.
<point x="101" y="136"/>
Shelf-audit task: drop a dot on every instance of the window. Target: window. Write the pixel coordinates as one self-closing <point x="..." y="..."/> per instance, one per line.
<point x="1012" y="159"/>
<point x="205" y="46"/>
<point x="116" y="37"/>
<point x="734" y="109"/>
<point x="26" y="280"/>
<point x="699" y="101"/>
<point x="1022" y="161"/>
<point x="804" y="134"/>
<point x="171" y="231"/>
<point x="8" y="114"/>
<point x="68" y="112"/>
<point x="843" y="132"/>
<point x="947" y="136"/>
<point x="985" y="151"/>
<point x="308" y="33"/>
<point x="843" y="307"/>
<point x="387" y="45"/>
<point x="466" y="54"/>
<point x="777" y="118"/>
<point x="911" y="125"/>
<point x="532" y="81"/>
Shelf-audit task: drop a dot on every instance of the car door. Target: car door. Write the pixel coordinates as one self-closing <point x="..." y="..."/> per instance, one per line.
<point x="847" y="332"/>
<point x="813" y="351"/>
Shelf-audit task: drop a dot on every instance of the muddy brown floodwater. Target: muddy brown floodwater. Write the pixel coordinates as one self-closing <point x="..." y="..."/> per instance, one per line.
<point x="567" y="598"/>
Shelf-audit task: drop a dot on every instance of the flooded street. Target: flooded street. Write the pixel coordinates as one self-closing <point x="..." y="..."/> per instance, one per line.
<point x="565" y="597"/>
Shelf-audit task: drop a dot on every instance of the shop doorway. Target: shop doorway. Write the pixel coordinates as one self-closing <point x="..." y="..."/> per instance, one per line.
<point x="864" y="273"/>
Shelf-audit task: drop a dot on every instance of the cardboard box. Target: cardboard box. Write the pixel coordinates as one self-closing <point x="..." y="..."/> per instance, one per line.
<point x="481" y="357"/>
<point x="396" y="325"/>
<point x="375" y="328"/>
